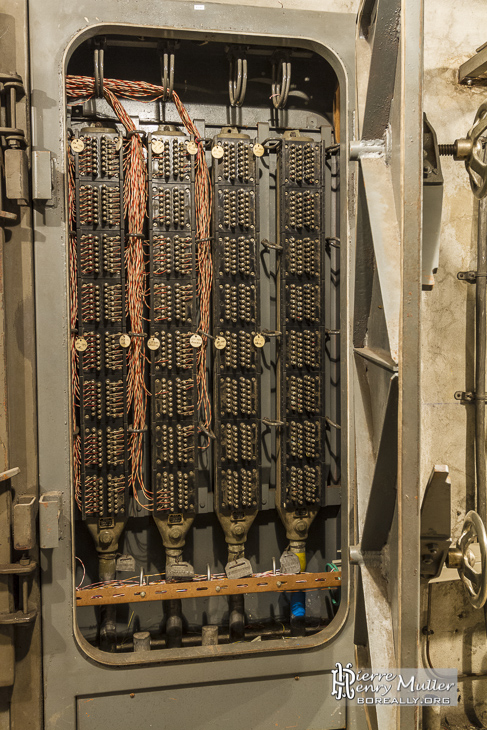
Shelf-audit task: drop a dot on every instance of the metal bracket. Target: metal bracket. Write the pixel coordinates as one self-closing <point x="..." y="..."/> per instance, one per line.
<point x="18" y="617"/>
<point x="21" y="568"/>
<point x="435" y="522"/>
<point x="367" y="148"/>
<point x="469" y="276"/>
<point x="469" y="396"/>
<point x="49" y="514"/>
<point x="24" y="525"/>
<point x="41" y="175"/>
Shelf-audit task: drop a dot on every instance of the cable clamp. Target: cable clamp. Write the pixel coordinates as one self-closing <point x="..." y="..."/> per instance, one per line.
<point x="332" y="241"/>
<point x="199" y="331"/>
<point x="274" y="246"/>
<point x="141" y="132"/>
<point x="273" y="424"/>
<point x="471" y="276"/>
<point x="272" y="143"/>
<point x="469" y="396"/>
<point x="332" y="149"/>
<point x="207" y="431"/>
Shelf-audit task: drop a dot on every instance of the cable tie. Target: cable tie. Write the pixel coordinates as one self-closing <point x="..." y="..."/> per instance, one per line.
<point x="201" y="240"/>
<point x="135" y="235"/>
<point x="199" y="331"/>
<point x="269" y="333"/>
<point x="137" y="430"/>
<point x="332" y="423"/>
<point x="137" y="334"/>
<point x="332" y="332"/>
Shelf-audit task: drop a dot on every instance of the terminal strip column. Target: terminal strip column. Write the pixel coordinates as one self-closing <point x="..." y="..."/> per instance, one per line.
<point x="301" y="292"/>
<point x="102" y="360"/>
<point x="236" y="322"/>
<point x="173" y="321"/>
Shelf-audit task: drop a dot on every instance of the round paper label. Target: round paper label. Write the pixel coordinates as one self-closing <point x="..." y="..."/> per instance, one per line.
<point x="195" y="341"/>
<point x="77" y="145"/>
<point x="217" y="151"/>
<point x="153" y="343"/>
<point x="157" y="146"/>
<point x="80" y="344"/>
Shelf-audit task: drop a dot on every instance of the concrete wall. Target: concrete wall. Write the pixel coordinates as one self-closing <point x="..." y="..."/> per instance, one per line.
<point x="454" y="29"/>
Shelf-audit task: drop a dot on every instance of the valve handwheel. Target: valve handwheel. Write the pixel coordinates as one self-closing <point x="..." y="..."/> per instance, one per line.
<point x="475" y="582"/>
<point x="475" y="164"/>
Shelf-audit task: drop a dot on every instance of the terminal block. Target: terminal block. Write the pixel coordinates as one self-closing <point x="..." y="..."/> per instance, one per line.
<point x="101" y="360"/>
<point x="236" y="321"/>
<point x="300" y="220"/>
<point x="173" y="320"/>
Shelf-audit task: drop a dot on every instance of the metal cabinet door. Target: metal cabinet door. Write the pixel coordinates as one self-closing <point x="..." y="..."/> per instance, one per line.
<point x="386" y="338"/>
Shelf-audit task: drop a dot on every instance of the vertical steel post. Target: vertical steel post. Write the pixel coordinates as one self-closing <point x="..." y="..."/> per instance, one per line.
<point x="480" y="354"/>
<point x="7" y="664"/>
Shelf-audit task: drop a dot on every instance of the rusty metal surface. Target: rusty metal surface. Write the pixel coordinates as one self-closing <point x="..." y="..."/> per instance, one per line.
<point x="17" y="568"/>
<point x="163" y="591"/>
<point x="17" y="617"/>
<point x="9" y="474"/>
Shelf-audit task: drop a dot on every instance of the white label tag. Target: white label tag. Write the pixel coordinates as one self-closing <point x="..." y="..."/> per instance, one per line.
<point x="196" y="341"/>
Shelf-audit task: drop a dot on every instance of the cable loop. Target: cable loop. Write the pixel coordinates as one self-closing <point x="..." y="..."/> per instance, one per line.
<point x="281" y="82"/>
<point x="237" y="82"/>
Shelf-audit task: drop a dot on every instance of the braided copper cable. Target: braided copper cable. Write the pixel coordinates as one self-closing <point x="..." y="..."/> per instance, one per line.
<point x="135" y="201"/>
<point x="82" y="87"/>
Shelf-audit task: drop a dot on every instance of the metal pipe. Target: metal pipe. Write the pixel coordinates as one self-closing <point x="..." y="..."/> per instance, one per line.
<point x="223" y="637"/>
<point x="108" y="614"/>
<point x="141" y="641"/>
<point x="236" y="605"/>
<point x="480" y="355"/>
<point x="297" y="599"/>
<point x="174" y="624"/>
<point x="174" y="609"/>
<point x="209" y="635"/>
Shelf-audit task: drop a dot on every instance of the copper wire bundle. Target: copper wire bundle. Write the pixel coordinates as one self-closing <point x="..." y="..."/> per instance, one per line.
<point x="135" y="199"/>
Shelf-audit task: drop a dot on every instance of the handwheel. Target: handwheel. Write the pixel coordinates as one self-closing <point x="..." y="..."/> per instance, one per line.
<point x="475" y="583"/>
<point x="476" y="167"/>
